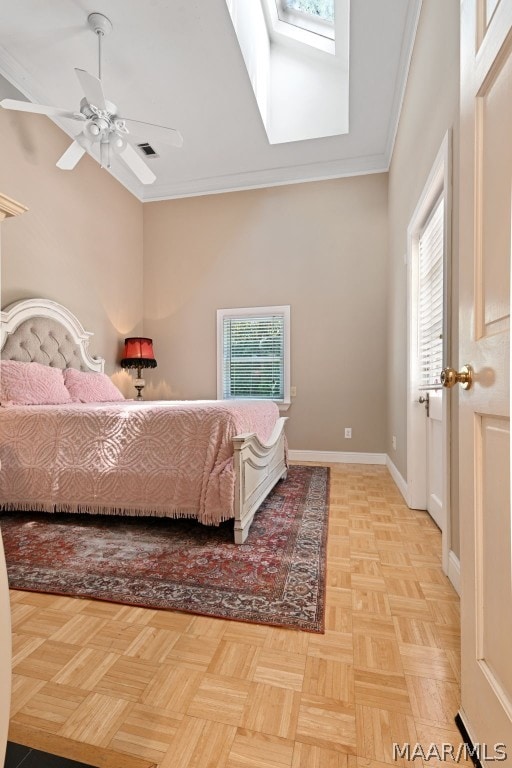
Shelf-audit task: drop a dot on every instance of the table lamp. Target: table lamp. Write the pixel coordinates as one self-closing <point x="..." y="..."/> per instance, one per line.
<point x="138" y="353"/>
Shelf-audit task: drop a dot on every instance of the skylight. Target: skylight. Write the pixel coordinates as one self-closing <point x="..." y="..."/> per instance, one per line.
<point x="299" y="75"/>
<point x="313" y="15"/>
<point x="322" y="8"/>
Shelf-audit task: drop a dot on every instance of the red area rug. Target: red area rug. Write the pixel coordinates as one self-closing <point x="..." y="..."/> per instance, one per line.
<point x="276" y="577"/>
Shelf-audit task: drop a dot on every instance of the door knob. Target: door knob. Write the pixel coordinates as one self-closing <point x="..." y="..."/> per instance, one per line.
<point x="450" y="377"/>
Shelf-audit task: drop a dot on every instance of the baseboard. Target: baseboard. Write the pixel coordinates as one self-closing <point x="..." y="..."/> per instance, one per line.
<point x="337" y="457"/>
<point x="399" y="480"/>
<point x="454" y="571"/>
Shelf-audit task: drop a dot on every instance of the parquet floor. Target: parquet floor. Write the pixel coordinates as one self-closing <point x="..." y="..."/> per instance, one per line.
<point x="125" y="687"/>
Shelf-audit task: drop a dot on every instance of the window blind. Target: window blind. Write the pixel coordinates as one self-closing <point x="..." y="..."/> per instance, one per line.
<point x="253" y="357"/>
<point x="430" y="310"/>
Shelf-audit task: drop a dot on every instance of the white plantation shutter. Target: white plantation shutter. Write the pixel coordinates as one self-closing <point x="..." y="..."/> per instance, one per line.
<point x="430" y="314"/>
<point x="253" y="356"/>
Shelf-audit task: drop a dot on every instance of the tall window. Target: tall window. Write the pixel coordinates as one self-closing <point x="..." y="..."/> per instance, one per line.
<point x="253" y="358"/>
<point x="430" y="309"/>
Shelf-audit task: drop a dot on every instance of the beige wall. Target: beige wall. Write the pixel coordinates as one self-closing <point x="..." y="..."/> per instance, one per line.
<point x="429" y="110"/>
<point x="80" y="243"/>
<point x="320" y="247"/>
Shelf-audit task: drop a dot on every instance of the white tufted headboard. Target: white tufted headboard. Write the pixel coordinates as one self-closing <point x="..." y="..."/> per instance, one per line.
<point x="42" y="331"/>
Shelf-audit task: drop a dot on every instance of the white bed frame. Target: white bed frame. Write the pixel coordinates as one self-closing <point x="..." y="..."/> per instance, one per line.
<point x="258" y="466"/>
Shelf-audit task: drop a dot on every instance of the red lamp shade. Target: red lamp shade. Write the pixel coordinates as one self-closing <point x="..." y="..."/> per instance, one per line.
<point x="138" y="353"/>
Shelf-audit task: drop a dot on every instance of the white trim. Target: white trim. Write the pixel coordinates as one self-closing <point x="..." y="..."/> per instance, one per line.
<point x="399" y="480"/>
<point x="410" y="30"/>
<point x="242" y="312"/>
<point x="337" y="457"/>
<point x="454" y="570"/>
<point x="270" y="177"/>
<point x="438" y="182"/>
<point x="15" y="314"/>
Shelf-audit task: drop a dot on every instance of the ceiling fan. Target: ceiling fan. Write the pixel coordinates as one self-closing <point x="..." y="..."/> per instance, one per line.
<point x="101" y="123"/>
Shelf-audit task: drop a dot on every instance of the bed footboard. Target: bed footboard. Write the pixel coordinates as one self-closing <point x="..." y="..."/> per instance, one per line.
<point x="258" y="467"/>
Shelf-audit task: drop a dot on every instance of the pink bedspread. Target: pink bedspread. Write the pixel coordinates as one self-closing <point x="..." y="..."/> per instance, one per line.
<point x="170" y="459"/>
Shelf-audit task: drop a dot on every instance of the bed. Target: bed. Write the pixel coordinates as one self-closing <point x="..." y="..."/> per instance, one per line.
<point x="209" y="460"/>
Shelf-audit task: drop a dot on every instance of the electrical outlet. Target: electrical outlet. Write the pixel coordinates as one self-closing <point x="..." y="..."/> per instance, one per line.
<point x="293" y="391"/>
<point x="348" y="432"/>
<point x="393" y="442"/>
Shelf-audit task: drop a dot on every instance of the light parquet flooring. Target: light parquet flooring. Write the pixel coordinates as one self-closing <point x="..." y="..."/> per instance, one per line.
<point x="126" y="687"/>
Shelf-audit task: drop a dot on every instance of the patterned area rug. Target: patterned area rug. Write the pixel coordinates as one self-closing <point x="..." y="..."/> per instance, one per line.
<point x="276" y="577"/>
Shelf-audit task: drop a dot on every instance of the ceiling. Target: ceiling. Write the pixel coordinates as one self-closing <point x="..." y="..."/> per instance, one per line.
<point x="178" y="63"/>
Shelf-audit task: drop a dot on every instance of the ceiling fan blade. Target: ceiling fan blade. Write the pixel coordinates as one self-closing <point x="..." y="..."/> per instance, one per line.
<point x="40" y="109"/>
<point x="137" y="165"/>
<point x="71" y="156"/>
<point x="154" y="133"/>
<point x="92" y="88"/>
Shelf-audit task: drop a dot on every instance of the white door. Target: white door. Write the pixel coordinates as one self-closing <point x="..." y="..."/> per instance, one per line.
<point x="484" y="279"/>
<point x="435" y="463"/>
<point x="428" y="278"/>
<point x="432" y="257"/>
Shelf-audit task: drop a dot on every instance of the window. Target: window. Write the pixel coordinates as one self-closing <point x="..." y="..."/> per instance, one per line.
<point x="323" y="9"/>
<point x="430" y="297"/>
<point x="313" y="15"/>
<point x="253" y="354"/>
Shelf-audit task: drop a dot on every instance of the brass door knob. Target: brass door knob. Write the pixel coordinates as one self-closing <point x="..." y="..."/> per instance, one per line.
<point x="450" y="377"/>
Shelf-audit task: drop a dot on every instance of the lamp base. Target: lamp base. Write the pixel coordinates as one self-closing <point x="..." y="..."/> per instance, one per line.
<point x="139" y="386"/>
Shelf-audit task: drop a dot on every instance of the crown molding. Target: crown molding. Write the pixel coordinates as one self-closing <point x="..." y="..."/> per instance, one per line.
<point x="402" y="76"/>
<point x="10" y="207"/>
<point x="269" y="177"/>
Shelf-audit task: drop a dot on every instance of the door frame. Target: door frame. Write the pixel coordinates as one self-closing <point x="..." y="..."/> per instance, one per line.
<point x="439" y="181"/>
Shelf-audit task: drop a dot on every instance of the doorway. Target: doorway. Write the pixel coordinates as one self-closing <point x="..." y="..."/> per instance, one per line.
<point x="428" y="289"/>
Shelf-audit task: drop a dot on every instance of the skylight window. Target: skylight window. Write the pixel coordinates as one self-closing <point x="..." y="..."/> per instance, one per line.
<point x="315" y="16"/>
<point x="322" y="8"/>
<point x="300" y="77"/>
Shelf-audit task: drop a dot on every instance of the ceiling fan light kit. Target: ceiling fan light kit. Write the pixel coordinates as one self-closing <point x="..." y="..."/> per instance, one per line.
<point x="101" y="123"/>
